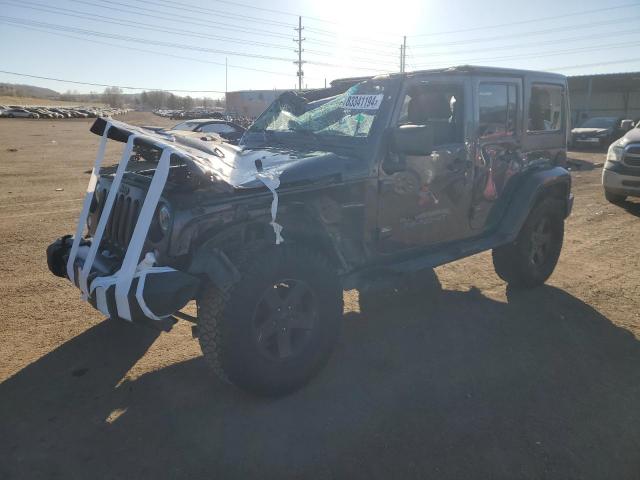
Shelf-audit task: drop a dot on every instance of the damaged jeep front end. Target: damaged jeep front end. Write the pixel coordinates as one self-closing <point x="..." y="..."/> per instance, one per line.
<point x="120" y="265"/>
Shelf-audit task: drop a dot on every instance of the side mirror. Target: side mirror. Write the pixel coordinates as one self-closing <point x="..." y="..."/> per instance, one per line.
<point x="626" y="125"/>
<point x="412" y="139"/>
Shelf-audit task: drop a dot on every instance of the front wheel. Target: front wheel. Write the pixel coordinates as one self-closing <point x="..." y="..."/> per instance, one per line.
<point x="530" y="260"/>
<point x="276" y="327"/>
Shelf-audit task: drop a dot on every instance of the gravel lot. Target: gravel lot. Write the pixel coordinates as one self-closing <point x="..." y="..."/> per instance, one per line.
<point x="478" y="381"/>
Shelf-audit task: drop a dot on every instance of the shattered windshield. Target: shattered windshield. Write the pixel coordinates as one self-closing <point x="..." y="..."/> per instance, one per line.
<point x="350" y="114"/>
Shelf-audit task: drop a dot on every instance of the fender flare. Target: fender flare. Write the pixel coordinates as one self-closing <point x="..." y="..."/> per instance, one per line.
<point x="556" y="180"/>
<point x="214" y="263"/>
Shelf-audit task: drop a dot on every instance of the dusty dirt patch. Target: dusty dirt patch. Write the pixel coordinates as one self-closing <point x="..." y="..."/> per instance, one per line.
<point x="476" y="382"/>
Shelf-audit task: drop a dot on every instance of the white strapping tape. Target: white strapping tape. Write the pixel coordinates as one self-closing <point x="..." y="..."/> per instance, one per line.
<point x="82" y="221"/>
<point x="272" y="182"/>
<point x="130" y="262"/>
<point x="104" y="217"/>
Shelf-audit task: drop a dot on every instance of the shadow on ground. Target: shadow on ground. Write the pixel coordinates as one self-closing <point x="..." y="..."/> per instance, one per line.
<point x="582" y="165"/>
<point x="632" y="206"/>
<point x="461" y="387"/>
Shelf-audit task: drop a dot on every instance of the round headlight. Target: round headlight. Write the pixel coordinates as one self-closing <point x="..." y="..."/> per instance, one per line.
<point x="164" y="218"/>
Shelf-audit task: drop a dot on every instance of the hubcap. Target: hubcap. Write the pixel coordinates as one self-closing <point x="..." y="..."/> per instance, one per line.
<point x="284" y="319"/>
<point x="540" y="242"/>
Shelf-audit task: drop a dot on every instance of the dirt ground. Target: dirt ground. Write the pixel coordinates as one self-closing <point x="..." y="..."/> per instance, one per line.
<point x="478" y="381"/>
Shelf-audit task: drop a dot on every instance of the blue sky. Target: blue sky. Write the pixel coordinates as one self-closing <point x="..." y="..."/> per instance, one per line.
<point x="183" y="44"/>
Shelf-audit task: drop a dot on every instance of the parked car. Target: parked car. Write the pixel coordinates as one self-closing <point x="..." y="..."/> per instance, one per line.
<point x="21" y="113"/>
<point x="621" y="172"/>
<point x="62" y="113"/>
<point x="597" y="132"/>
<point x="357" y="186"/>
<point x="230" y="131"/>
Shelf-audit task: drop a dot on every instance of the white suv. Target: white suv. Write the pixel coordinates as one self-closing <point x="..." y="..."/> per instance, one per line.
<point x="621" y="173"/>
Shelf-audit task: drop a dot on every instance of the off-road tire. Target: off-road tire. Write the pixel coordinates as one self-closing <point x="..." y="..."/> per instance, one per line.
<point x="614" y="197"/>
<point x="423" y="285"/>
<point x="513" y="262"/>
<point x="226" y="320"/>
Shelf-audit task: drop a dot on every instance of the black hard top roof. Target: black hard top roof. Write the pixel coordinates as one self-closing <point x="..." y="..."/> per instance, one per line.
<point x="457" y="69"/>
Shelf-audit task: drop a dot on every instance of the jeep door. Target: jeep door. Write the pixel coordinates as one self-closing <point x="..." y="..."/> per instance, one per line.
<point x="424" y="199"/>
<point x="498" y="146"/>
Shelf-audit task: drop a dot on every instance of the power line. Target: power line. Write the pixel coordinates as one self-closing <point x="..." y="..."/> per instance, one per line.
<point x="164" y="54"/>
<point x="176" y="5"/>
<point x="376" y="51"/>
<point x="130" y="9"/>
<point x="548" y="54"/>
<point x="144" y="26"/>
<point x="134" y="39"/>
<point x="588" y="65"/>
<point x="524" y="34"/>
<point x="187" y="19"/>
<point x="523" y="45"/>
<point x="181" y="6"/>
<point x="359" y="38"/>
<point x="93" y="33"/>
<point x="105" y="85"/>
<point x="533" y="20"/>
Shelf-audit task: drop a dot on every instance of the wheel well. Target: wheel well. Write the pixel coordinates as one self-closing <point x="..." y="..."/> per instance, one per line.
<point x="260" y="233"/>
<point x="558" y="191"/>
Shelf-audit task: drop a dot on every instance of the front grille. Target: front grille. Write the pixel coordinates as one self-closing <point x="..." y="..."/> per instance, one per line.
<point x="632" y="156"/>
<point x="122" y="220"/>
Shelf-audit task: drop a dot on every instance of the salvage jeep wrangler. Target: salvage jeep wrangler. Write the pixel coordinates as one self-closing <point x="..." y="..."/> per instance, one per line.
<point x="356" y="186"/>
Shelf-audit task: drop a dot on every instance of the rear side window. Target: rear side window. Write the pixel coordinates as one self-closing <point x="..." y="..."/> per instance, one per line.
<point x="497" y="105"/>
<point x="546" y="108"/>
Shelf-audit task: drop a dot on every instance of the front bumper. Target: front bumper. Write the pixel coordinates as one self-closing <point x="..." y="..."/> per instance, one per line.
<point x="620" y="183"/>
<point x="590" y="142"/>
<point x="154" y="295"/>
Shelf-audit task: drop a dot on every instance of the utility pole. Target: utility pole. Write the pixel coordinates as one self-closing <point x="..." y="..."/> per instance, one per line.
<point x="226" y="76"/>
<point x="401" y="58"/>
<point x="404" y="54"/>
<point x="299" y="52"/>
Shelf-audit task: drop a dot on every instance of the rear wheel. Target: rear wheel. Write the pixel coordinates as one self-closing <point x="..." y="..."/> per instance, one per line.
<point x="530" y="260"/>
<point x="275" y="328"/>
<point x="614" y="197"/>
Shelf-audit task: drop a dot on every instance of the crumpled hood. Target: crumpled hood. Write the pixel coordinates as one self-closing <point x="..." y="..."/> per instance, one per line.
<point x="588" y="131"/>
<point x="237" y="167"/>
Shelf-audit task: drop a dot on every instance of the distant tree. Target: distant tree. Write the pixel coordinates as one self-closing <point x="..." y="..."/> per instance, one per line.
<point x="187" y="103"/>
<point x="112" y="96"/>
<point x="173" y="102"/>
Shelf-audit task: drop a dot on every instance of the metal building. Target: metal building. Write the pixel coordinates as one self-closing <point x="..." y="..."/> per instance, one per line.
<point x="250" y="103"/>
<point x="605" y="95"/>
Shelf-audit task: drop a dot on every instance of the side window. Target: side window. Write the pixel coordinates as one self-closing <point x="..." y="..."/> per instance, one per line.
<point x="493" y="101"/>
<point x="438" y="105"/>
<point x="546" y="108"/>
